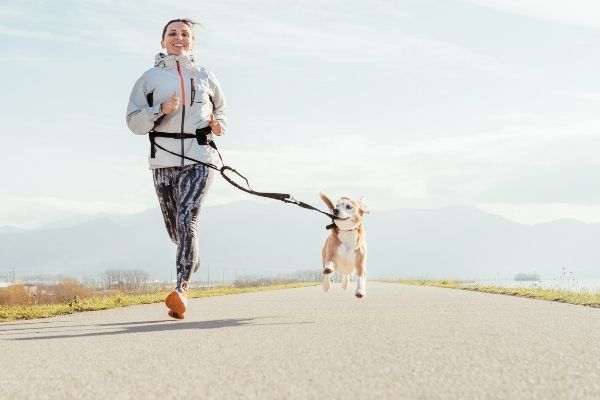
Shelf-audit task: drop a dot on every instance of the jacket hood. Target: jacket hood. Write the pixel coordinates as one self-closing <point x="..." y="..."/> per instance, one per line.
<point x="163" y="60"/>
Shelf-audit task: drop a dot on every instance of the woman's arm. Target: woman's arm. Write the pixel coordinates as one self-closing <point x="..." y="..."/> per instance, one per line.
<point x="218" y="101"/>
<point x="141" y="116"/>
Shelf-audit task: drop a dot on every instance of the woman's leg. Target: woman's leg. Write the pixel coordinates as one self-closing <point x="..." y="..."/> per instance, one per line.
<point x="165" y="180"/>
<point x="193" y="182"/>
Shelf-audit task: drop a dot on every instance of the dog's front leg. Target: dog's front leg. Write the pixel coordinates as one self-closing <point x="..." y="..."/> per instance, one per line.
<point x="327" y="274"/>
<point x="327" y="256"/>
<point x="327" y="267"/>
<point x="361" y="286"/>
<point x="361" y="274"/>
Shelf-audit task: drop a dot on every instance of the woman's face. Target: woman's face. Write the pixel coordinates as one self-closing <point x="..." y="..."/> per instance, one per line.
<point x="178" y="39"/>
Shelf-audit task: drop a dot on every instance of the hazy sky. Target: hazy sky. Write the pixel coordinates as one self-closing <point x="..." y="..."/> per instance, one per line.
<point x="411" y="103"/>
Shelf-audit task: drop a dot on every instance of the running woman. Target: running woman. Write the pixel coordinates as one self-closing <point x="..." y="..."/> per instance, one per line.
<point x="181" y="105"/>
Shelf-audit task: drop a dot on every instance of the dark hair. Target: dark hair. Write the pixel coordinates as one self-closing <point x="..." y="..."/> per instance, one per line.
<point x="186" y="21"/>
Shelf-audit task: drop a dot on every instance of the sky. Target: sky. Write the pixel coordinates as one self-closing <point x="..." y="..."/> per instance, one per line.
<point x="410" y="103"/>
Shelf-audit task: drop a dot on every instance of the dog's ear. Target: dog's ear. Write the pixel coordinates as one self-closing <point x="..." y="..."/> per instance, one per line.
<point x="327" y="201"/>
<point x="362" y="206"/>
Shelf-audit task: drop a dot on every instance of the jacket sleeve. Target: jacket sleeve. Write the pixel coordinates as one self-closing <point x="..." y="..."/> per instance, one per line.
<point x="218" y="100"/>
<point x="140" y="115"/>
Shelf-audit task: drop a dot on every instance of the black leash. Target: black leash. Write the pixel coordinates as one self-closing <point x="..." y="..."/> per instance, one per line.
<point x="204" y="139"/>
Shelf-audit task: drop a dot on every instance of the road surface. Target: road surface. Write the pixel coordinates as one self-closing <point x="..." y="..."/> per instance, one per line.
<point x="400" y="342"/>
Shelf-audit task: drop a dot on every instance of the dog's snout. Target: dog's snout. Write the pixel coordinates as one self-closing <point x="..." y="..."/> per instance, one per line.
<point x="336" y="211"/>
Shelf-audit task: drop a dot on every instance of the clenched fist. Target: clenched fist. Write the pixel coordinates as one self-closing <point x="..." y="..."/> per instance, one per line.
<point x="215" y="126"/>
<point x="170" y="105"/>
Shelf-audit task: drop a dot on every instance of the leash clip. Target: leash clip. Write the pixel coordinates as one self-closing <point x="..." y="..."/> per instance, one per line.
<point x="291" y="199"/>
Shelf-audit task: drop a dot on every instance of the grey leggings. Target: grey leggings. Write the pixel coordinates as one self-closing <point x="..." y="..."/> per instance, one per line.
<point x="181" y="191"/>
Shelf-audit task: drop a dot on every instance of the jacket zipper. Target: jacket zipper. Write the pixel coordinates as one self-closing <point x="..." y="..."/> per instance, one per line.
<point x="182" y="109"/>
<point x="193" y="90"/>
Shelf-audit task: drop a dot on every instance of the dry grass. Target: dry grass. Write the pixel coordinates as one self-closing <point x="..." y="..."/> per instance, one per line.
<point x="76" y="303"/>
<point x="63" y="292"/>
<point x="584" y="298"/>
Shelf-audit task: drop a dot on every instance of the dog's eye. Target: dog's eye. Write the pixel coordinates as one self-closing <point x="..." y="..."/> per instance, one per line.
<point x="349" y="207"/>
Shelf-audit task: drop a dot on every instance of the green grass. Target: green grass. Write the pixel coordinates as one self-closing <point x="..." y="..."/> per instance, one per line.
<point x="11" y="313"/>
<point x="590" y="299"/>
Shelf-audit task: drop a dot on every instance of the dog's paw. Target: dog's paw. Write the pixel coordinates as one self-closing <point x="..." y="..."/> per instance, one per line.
<point x="360" y="293"/>
<point x="328" y="268"/>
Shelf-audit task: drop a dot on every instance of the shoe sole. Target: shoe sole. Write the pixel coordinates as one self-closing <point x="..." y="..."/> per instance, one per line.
<point x="173" y="314"/>
<point x="175" y="302"/>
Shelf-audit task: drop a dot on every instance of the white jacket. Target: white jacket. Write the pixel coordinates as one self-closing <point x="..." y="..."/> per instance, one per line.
<point x="203" y="96"/>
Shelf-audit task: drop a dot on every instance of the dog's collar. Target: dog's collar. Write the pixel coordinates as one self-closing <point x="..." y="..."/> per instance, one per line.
<point x="333" y="225"/>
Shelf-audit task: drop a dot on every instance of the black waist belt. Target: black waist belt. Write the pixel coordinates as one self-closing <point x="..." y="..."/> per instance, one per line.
<point x="202" y="135"/>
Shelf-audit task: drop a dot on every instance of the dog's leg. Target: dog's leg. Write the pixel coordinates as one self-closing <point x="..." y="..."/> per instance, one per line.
<point x="361" y="283"/>
<point x="327" y="256"/>
<point x="361" y="275"/>
<point x="326" y="282"/>
<point x="327" y="275"/>
<point x="345" y="281"/>
<point x="328" y="268"/>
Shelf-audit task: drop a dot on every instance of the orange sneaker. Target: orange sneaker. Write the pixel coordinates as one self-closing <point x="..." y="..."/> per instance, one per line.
<point x="177" y="300"/>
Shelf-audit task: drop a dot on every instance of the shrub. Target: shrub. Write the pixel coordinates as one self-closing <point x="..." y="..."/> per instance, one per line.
<point x="527" y="277"/>
<point x="15" y="295"/>
<point x="68" y="290"/>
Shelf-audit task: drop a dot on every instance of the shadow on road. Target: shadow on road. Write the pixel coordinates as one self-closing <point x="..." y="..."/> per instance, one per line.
<point x="146" y="326"/>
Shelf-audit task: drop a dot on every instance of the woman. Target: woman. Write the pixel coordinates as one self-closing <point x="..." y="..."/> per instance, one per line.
<point x="181" y="105"/>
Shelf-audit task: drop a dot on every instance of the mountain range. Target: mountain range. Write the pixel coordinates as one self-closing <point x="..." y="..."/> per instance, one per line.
<point x="250" y="239"/>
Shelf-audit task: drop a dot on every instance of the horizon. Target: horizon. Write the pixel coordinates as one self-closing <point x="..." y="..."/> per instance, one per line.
<point x="77" y="219"/>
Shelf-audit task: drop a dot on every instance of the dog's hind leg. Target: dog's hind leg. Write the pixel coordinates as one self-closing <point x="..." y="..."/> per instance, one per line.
<point x="345" y="281"/>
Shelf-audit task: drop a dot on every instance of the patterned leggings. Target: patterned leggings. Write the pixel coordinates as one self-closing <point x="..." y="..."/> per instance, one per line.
<point x="181" y="191"/>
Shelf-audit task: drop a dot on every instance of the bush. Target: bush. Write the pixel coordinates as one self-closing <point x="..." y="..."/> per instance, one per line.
<point x="69" y="289"/>
<point x="65" y="292"/>
<point x="527" y="277"/>
<point x="15" y="295"/>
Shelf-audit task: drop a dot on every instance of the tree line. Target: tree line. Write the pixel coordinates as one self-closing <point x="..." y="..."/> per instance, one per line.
<point x="125" y="279"/>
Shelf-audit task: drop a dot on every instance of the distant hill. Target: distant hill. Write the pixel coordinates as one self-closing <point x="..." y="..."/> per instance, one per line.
<point x="10" y="229"/>
<point x="248" y="238"/>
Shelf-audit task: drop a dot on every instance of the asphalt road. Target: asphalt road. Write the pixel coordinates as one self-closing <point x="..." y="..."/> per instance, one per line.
<point x="400" y="342"/>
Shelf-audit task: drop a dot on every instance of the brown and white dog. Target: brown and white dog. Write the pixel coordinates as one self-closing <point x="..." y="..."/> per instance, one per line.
<point x="345" y="249"/>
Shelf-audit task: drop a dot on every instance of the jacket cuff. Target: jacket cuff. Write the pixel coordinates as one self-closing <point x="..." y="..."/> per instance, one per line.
<point x="156" y="113"/>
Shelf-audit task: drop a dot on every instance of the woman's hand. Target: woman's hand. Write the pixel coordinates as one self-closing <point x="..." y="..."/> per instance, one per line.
<point x="215" y="125"/>
<point x="170" y="105"/>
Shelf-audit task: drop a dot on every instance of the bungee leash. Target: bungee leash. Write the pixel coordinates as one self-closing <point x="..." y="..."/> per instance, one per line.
<point x="202" y="135"/>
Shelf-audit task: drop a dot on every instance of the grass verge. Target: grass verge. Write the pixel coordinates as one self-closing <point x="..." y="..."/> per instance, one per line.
<point x="11" y="313"/>
<point x="584" y="298"/>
